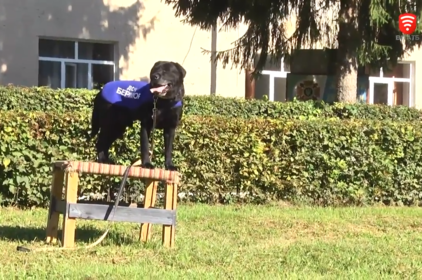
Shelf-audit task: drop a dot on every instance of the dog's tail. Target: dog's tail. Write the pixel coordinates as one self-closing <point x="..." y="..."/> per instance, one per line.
<point x="95" y="117"/>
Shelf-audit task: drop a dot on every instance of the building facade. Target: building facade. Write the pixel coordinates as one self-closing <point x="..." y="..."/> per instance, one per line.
<point x="79" y="43"/>
<point x="394" y="86"/>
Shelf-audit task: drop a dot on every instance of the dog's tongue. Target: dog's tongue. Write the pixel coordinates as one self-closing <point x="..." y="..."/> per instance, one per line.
<point x="159" y="89"/>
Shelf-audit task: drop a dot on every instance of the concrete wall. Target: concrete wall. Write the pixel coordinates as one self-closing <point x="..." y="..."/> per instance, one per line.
<point x="144" y="31"/>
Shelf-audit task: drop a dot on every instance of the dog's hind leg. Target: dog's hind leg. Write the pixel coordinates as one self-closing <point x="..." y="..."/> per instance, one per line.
<point x="103" y="145"/>
<point x="95" y="117"/>
<point x="107" y="136"/>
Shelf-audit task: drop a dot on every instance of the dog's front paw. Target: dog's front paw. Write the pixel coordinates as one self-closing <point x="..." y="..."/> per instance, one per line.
<point x="102" y="158"/>
<point x="170" y="167"/>
<point x="148" y="165"/>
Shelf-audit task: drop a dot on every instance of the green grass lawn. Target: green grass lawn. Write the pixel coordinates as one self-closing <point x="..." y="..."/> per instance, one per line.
<point x="228" y="242"/>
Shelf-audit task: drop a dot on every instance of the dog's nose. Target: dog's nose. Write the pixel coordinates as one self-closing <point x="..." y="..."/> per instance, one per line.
<point x="155" y="77"/>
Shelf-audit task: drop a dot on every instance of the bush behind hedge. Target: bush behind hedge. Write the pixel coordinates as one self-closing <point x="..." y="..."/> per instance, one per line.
<point x="317" y="162"/>
<point x="62" y="100"/>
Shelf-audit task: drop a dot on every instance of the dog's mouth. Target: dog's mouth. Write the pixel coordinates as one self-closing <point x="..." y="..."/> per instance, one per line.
<point x="161" y="90"/>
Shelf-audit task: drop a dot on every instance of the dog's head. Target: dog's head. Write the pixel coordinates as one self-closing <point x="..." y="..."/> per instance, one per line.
<point x="166" y="79"/>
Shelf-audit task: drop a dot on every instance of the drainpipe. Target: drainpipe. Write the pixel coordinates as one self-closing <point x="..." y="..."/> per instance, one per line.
<point x="213" y="62"/>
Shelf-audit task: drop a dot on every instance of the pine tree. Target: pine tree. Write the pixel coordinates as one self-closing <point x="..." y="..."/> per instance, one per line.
<point x="366" y="34"/>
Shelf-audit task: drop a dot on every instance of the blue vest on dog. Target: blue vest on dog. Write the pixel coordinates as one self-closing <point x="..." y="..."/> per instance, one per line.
<point x="129" y="94"/>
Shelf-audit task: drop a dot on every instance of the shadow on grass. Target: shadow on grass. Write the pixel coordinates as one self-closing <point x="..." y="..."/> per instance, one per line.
<point x="85" y="234"/>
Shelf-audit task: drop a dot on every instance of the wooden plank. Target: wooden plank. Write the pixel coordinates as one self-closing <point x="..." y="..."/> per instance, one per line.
<point x="149" y="201"/>
<point x="123" y="214"/>
<point x="86" y="167"/>
<point x="69" y="223"/>
<point x="169" y="231"/>
<point x="56" y="193"/>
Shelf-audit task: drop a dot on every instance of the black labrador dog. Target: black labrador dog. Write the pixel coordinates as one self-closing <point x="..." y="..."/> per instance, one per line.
<point x="120" y="103"/>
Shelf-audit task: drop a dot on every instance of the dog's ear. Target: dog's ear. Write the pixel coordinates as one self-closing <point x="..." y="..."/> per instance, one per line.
<point x="180" y="68"/>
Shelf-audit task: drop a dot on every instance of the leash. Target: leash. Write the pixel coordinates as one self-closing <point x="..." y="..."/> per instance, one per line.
<point x="116" y="203"/>
<point x="154" y="122"/>
<point x="110" y="221"/>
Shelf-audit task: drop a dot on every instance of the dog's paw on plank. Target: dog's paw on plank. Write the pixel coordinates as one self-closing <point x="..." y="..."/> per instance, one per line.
<point x="148" y="165"/>
<point x="102" y="158"/>
<point x="170" y="167"/>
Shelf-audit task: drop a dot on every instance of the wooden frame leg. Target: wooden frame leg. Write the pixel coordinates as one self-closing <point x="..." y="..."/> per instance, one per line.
<point x="170" y="204"/>
<point x="56" y="193"/>
<point x="71" y="193"/>
<point x="149" y="201"/>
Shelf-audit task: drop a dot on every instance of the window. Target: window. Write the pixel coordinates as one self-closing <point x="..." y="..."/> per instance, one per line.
<point x="75" y="64"/>
<point x="392" y="85"/>
<point x="273" y="80"/>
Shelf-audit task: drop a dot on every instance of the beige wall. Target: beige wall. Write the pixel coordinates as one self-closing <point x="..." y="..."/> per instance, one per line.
<point x="416" y="56"/>
<point x="231" y="80"/>
<point x="145" y="32"/>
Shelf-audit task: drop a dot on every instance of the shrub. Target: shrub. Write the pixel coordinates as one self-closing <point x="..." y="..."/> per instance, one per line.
<point x="46" y="99"/>
<point x="317" y="162"/>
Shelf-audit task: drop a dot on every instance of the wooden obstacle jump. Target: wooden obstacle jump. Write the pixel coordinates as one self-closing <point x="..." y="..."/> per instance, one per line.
<point x="64" y="201"/>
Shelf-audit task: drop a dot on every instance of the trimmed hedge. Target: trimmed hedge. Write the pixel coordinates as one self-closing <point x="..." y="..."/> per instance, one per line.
<point x="46" y="99"/>
<point x="316" y="162"/>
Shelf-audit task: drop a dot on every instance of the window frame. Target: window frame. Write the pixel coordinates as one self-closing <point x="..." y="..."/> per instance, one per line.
<point x="380" y="79"/>
<point x="272" y="76"/>
<point x="90" y="62"/>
